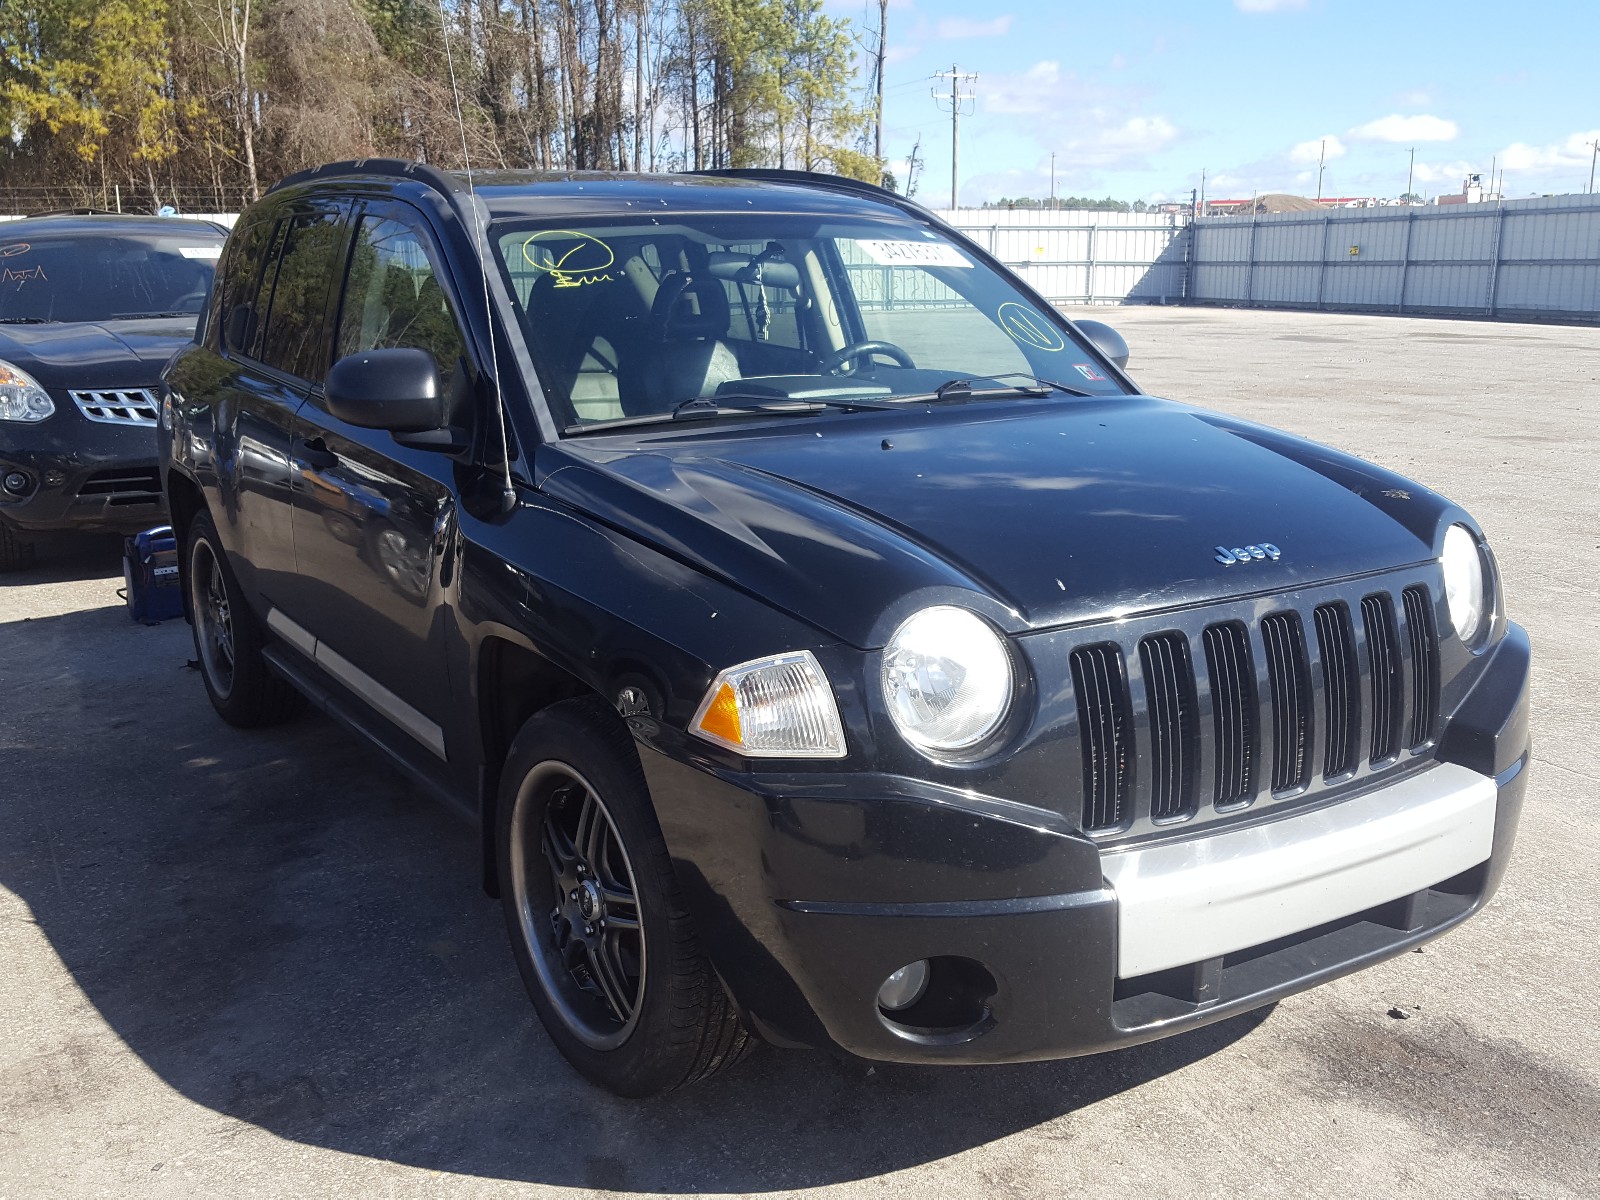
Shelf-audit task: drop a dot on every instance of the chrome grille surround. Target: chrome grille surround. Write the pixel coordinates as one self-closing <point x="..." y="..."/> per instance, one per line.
<point x="118" y="406"/>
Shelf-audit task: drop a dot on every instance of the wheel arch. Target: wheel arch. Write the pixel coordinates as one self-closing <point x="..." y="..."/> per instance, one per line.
<point x="513" y="683"/>
<point x="184" y="501"/>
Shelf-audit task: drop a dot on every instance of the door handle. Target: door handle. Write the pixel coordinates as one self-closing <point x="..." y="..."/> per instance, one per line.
<point x="315" y="453"/>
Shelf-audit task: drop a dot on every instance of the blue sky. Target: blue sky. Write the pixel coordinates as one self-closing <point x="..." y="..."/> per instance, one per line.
<point x="1137" y="98"/>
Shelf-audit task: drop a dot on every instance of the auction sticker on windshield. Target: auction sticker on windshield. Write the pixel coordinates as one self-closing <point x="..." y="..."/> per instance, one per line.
<point x="914" y="254"/>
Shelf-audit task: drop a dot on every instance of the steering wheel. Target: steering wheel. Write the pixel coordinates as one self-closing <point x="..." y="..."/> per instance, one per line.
<point x="835" y="362"/>
<point x="196" y="298"/>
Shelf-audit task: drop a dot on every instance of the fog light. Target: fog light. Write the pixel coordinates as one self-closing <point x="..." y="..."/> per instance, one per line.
<point x="905" y="987"/>
<point x="16" y="483"/>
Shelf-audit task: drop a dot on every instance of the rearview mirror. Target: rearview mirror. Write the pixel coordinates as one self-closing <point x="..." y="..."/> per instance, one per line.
<point x="398" y="390"/>
<point x="1106" y="340"/>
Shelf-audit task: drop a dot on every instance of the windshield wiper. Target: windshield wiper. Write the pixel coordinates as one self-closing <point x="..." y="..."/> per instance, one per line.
<point x="149" y="316"/>
<point x="964" y="389"/>
<point x="713" y="406"/>
<point x="26" y="321"/>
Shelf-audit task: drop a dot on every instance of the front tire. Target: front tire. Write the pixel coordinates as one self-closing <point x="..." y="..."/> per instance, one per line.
<point x="16" y="551"/>
<point x="228" y="639"/>
<point x="597" y="921"/>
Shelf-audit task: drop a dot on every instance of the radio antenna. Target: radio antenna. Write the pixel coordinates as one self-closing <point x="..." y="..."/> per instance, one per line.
<point x="508" y="491"/>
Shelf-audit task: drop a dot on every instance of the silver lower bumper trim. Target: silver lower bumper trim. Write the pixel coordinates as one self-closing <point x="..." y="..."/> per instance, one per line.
<point x="1184" y="902"/>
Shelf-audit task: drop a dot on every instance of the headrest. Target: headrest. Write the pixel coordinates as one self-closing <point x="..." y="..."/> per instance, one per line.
<point x="689" y="306"/>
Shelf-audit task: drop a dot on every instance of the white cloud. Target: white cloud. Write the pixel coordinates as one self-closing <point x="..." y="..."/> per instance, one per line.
<point x="1575" y="151"/>
<point x="1317" y="149"/>
<point x="961" y="28"/>
<point x="1395" y="128"/>
<point x="1267" y="6"/>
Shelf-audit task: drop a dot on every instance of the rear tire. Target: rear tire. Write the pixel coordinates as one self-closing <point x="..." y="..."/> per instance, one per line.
<point x="16" y="551"/>
<point x="227" y="638"/>
<point x="598" y="923"/>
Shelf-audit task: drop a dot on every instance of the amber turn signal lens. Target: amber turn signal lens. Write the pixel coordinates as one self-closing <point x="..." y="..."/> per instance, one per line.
<point x="778" y="707"/>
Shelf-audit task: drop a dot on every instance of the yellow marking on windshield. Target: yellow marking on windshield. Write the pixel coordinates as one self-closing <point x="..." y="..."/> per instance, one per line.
<point x="586" y="261"/>
<point x="7" y="275"/>
<point x="14" y="249"/>
<point x="1028" y="328"/>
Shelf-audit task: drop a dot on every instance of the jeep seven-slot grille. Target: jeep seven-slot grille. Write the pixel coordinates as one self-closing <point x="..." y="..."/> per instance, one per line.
<point x="1246" y="712"/>
<point x="1104" y="729"/>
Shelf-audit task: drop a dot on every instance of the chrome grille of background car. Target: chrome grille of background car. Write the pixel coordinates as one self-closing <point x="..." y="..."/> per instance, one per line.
<point x="1238" y="713"/>
<point x="119" y="406"/>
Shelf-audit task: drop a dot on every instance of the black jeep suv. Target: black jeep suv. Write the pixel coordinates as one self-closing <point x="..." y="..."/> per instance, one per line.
<point x="91" y="308"/>
<point x="831" y="642"/>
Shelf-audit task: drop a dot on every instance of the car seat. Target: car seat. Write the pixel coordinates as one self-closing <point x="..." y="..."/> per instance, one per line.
<point x="686" y="355"/>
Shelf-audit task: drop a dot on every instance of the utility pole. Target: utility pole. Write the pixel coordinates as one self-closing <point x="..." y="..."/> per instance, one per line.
<point x="1322" y="160"/>
<point x="1202" y="192"/>
<point x="1410" y="171"/>
<point x="1595" y="147"/>
<point x="957" y="98"/>
<point x="883" y="35"/>
<point x="1052" y="179"/>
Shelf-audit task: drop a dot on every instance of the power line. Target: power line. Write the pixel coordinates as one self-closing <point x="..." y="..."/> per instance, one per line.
<point x="962" y="93"/>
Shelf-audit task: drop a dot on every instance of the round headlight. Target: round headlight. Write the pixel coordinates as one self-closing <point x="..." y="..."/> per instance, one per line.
<point x="947" y="679"/>
<point x="1463" y="581"/>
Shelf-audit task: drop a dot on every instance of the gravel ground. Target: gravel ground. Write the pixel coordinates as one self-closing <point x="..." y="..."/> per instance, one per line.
<point x="236" y="964"/>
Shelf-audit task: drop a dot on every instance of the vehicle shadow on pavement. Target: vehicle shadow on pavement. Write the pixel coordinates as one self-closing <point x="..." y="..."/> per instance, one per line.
<point x="284" y="931"/>
<point x="69" y="560"/>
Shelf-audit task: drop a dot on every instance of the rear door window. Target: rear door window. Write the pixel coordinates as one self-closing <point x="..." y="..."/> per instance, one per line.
<point x="239" y="310"/>
<point x="298" y="310"/>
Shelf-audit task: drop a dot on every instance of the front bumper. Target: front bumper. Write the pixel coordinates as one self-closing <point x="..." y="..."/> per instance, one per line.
<point x="83" y="476"/>
<point x="809" y="890"/>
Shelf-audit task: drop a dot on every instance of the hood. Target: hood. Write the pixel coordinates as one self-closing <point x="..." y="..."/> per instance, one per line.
<point x="1038" y="513"/>
<point x="95" y="354"/>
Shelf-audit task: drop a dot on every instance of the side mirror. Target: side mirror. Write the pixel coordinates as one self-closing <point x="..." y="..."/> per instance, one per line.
<point x="1106" y="340"/>
<point x="398" y="390"/>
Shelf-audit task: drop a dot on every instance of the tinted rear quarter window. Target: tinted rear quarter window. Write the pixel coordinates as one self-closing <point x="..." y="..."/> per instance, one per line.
<point x="239" y="309"/>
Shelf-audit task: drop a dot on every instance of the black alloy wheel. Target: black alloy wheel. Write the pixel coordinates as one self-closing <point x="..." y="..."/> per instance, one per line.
<point x="244" y="689"/>
<point x="598" y="924"/>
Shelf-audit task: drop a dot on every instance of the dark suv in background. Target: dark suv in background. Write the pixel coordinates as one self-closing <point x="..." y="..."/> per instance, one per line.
<point x="830" y="641"/>
<point x="91" y="308"/>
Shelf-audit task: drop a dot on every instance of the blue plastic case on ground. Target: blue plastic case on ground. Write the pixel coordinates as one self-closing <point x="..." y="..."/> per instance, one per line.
<point x="150" y="568"/>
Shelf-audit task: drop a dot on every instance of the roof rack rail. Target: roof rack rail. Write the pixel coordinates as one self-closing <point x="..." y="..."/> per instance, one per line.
<point x="85" y="212"/>
<point x="398" y="168"/>
<point x="837" y="183"/>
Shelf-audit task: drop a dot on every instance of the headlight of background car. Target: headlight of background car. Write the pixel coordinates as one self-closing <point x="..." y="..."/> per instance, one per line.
<point x="1464" y="582"/>
<point x="21" y="397"/>
<point x="947" y="679"/>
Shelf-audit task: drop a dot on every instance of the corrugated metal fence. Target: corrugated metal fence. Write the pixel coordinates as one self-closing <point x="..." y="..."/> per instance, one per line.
<point x="1523" y="259"/>
<point x="1079" y="257"/>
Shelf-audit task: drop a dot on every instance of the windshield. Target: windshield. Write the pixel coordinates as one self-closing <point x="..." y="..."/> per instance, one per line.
<point x="638" y="319"/>
<point x="104" y="277"/>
